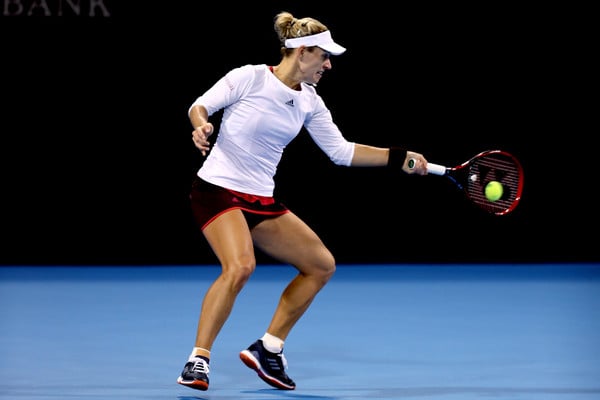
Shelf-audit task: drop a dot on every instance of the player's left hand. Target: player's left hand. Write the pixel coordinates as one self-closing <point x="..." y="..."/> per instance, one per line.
<point x="418" y="163"/>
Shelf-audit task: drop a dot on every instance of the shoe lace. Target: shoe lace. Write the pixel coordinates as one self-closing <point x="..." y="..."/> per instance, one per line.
<point x="200" y="366"/>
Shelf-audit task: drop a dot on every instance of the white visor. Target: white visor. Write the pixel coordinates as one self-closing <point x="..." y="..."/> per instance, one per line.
<point x="322" y="40"/>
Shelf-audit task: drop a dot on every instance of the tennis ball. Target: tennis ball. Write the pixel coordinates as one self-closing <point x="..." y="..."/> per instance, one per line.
<point x="493" y="191"/>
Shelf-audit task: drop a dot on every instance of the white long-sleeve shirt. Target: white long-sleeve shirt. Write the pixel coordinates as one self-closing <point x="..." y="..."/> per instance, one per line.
<point x="261" y="117"/>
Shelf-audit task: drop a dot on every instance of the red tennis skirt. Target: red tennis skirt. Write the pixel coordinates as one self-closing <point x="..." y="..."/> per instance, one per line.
<point x="208" y="201"/>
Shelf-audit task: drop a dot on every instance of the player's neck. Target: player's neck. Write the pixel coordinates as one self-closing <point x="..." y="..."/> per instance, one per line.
<point x="286" y="75"/>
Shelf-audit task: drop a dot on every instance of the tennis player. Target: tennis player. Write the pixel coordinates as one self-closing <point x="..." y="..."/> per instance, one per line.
<point x="232" y="201"/>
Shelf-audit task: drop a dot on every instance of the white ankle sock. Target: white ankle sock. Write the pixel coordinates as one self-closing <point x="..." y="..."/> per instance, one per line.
<point x="272" y="343"/>
<point x="198" y="351"/>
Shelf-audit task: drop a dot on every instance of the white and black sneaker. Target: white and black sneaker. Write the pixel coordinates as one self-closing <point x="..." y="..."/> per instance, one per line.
<point x="195" y="374"/>
<point x="270" y="367"/>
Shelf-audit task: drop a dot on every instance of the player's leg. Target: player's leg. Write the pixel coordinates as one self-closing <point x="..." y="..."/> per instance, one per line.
<point x="229" y="237"/>
<point x="288" y="239"/>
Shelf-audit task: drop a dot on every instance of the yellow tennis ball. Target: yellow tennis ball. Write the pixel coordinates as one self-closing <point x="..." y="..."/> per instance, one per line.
<point x="493" y="191"/>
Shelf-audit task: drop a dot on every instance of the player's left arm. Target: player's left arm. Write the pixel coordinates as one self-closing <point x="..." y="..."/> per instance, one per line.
<point x="371" y="156"/>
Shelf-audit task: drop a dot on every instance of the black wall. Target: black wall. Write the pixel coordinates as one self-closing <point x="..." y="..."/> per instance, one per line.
<point x="97" y="155"/>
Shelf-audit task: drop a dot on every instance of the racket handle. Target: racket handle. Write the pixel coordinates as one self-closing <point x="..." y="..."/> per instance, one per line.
<point x="432" y="168"/>
<point x="436" y="169"/>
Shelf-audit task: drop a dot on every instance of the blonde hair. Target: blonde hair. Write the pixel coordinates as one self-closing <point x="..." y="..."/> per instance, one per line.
<point x="289" y="27"/>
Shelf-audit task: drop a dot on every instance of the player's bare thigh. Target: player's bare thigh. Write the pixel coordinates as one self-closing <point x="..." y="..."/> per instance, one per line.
<point x="290" y="240"/>
<point x="229" y="237"/>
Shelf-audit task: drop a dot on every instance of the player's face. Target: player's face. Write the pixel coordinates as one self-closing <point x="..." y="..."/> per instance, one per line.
<point x="314" y="64"/>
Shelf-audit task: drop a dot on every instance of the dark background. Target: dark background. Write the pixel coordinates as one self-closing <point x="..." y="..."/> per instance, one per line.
<point x="96" y="146"/>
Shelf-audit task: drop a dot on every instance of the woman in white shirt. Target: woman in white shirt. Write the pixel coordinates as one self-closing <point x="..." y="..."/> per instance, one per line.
<point x="264" y="108"/>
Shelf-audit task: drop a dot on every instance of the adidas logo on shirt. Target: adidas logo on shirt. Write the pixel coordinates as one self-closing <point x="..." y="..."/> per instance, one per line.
<point x="290" y="103"/>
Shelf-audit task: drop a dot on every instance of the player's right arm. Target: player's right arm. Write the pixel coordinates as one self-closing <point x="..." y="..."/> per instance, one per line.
<point x="202" y="128"/>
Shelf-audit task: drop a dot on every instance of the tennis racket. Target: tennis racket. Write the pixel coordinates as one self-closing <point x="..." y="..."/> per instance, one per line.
<point x="473" y="175"/>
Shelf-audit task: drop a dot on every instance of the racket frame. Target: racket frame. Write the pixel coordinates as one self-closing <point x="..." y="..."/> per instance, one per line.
<point x="462" y="176"/>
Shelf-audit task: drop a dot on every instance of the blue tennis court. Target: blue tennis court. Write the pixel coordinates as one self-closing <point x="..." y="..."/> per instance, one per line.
<point x="436" y="332"/>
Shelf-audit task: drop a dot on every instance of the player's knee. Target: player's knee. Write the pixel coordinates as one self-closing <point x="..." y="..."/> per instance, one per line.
<point x="238" y="273"/>
<point x="326" y="268"/>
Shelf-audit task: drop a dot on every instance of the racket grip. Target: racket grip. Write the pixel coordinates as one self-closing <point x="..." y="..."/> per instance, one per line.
<point x="432" y="168"/>
<point x="436" y="169"/>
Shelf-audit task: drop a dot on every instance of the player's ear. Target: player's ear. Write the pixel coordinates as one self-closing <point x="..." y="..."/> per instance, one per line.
<point x="300" y="51"/>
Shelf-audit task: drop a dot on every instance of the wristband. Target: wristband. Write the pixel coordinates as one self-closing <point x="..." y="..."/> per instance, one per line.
<point x="396" y="157"/>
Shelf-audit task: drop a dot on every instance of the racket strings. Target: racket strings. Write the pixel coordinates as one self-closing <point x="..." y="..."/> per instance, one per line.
<point x="499" y="167"/>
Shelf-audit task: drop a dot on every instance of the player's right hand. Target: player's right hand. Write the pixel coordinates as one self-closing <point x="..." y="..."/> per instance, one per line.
<point x="200" y="137"/>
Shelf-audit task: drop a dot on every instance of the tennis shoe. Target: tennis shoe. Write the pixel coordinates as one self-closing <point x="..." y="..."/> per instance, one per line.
<point x="270" y="367"/>
<point x="195" y="374"/>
